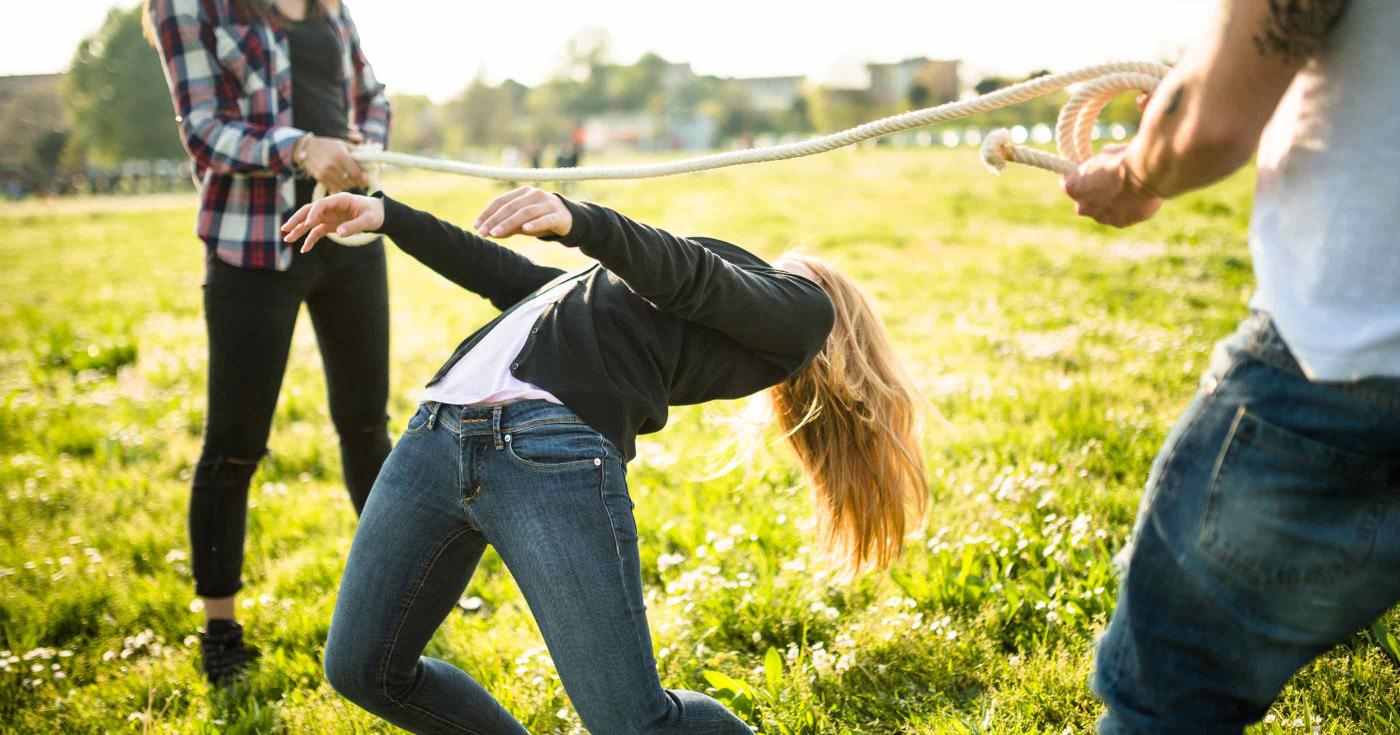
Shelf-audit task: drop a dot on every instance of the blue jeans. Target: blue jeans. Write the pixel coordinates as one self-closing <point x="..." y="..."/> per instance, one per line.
<point x="1269" y="533"/>
<point x="550" y="494"/>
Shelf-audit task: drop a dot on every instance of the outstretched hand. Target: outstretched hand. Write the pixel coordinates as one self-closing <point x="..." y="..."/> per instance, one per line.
<point x="344" y="214"/>
<point x="525" y="211"/>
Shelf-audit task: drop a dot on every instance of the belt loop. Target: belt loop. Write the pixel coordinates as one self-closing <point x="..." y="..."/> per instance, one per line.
<point x="433" y="408"/>
<point x="496" y="428"/>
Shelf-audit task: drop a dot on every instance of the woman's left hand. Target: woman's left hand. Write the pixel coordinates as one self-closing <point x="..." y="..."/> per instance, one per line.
<point x="525" y="211"/>
<point x="344" y="213"/>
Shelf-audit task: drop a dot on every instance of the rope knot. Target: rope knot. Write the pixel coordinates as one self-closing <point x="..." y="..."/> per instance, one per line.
<point x="997" y="150"/>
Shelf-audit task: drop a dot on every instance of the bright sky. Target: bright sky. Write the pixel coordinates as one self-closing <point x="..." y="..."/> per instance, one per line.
<point x="435" y="47"/>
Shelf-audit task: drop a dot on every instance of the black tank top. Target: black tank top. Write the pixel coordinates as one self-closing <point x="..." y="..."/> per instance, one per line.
<point x="318" y="94"/>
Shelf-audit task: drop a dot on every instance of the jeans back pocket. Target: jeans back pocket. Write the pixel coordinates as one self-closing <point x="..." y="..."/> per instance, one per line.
<point x="1285" y="509"/>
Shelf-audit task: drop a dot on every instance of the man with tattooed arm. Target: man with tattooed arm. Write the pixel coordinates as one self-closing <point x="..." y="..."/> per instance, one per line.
<point x="1270" y="528"/>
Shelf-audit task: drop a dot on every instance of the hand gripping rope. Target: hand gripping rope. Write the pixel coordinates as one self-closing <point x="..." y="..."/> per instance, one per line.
<point x="1073" y="135"/>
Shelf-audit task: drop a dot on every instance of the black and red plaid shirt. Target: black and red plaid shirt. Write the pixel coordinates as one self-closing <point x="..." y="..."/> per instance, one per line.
<point x="230" y="80"/>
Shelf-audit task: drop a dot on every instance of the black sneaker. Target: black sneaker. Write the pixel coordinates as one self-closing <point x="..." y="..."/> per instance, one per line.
<point x="224" y="654"/>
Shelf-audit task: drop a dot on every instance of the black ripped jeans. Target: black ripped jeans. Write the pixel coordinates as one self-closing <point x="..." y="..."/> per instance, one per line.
<point x="250" y="315"/>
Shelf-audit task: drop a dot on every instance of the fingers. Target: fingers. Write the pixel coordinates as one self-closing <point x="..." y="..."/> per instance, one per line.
<point x="351" y="175"/>
<point x="511" y="219"/>
<point x="359" y="224"/>
<point x="336" y="169"/>
<point x="297" y="217"/>
<point x="300" y="228"/>
<point x="1073" y="185"/>
<point x="497" y="204"/>
<point x="311" y="216"/>
<point x="542" y="224"/>
<point x="316" y="233"/>
<point x="317" y="213"/>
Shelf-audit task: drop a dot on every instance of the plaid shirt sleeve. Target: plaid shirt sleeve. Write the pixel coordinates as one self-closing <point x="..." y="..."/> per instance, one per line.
<point x="206" y="97"/>
<point x="371" y="103"/>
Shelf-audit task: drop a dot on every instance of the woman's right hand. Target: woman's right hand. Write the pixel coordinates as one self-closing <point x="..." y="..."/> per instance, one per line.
<point x="344" y="213"/>
<point x="328" y="161"/>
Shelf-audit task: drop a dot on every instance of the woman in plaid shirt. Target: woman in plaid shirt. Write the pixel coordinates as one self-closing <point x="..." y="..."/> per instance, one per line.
<point x="268" y="97"/>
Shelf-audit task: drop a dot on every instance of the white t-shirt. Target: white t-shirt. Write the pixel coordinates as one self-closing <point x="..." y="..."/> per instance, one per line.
<point x="1325" y="235"/>
<point x="483" y="375"/>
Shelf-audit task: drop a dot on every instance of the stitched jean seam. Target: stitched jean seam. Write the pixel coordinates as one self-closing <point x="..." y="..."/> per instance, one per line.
<point x="617" y="553"/>
<point x="532" y="423"/>
<point x="574" y="464"/>
<point x="382" y="679"/>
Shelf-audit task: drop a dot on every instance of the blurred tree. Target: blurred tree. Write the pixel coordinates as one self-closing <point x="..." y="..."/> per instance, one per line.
<point x="483" y="115"/>
<point x="33" y="133"/>
<point x="515" y="92"/>
<point x="734" y="113"/>
<point x="990" y="84"/>
<point x="836" y="109"/>
<point x="919" y="96"/>
<point x="637" y="86"/>
<point x="417" y="123"/>
<point x="799" y="116"/>
<point x="547" y="107"/>
<point x="585" y="73"/>
<point x="117" y="95"/>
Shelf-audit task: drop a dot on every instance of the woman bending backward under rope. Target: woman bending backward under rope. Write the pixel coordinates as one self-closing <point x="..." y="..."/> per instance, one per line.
<point x="523" y="439"/>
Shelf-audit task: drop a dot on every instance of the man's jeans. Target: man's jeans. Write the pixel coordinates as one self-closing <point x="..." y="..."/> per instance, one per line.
<point x="550" y="494"/>
<point x="1269" y="532"/>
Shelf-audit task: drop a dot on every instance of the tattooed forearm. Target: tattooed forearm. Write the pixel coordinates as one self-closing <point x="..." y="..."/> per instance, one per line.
<point x="1295" y="29"/>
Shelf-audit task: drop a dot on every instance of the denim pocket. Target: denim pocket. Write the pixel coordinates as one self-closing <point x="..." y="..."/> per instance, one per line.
<point x="555" y="446"/>
<point x="420" y="420"/>
<point x="1285" y="509"/>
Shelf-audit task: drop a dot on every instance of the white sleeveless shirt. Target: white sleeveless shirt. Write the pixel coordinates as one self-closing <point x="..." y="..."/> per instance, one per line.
<point x="483" y="375"/>
<point x="1325" y="235"/>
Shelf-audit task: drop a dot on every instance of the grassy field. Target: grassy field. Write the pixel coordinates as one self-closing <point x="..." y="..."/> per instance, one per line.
<point x="1053" y="356"/>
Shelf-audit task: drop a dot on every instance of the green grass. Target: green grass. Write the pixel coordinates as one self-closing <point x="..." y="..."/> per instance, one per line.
<point x="1053" y="355"/>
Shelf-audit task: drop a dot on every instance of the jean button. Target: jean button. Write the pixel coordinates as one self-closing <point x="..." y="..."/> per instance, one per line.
<point x="507" y="437"/>
<point x="597" y="462"/>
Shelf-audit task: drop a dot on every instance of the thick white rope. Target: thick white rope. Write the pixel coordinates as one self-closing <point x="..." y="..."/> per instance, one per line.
<point x="1073" y="131"/>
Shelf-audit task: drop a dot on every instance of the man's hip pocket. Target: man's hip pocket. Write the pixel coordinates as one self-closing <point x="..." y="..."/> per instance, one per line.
<point x="1285" y="509"/>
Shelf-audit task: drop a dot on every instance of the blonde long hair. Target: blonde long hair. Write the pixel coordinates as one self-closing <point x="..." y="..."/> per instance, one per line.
<point x="850" y="416"/>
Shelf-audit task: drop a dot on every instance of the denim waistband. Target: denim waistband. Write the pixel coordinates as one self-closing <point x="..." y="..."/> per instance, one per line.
<point x="499" y="419"/>
<point x="1259" y="337"/>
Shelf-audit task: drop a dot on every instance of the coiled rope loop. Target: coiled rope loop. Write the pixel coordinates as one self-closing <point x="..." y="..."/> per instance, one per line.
<point x="1073" y="131"/>
<point x="1074" y="127"/>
